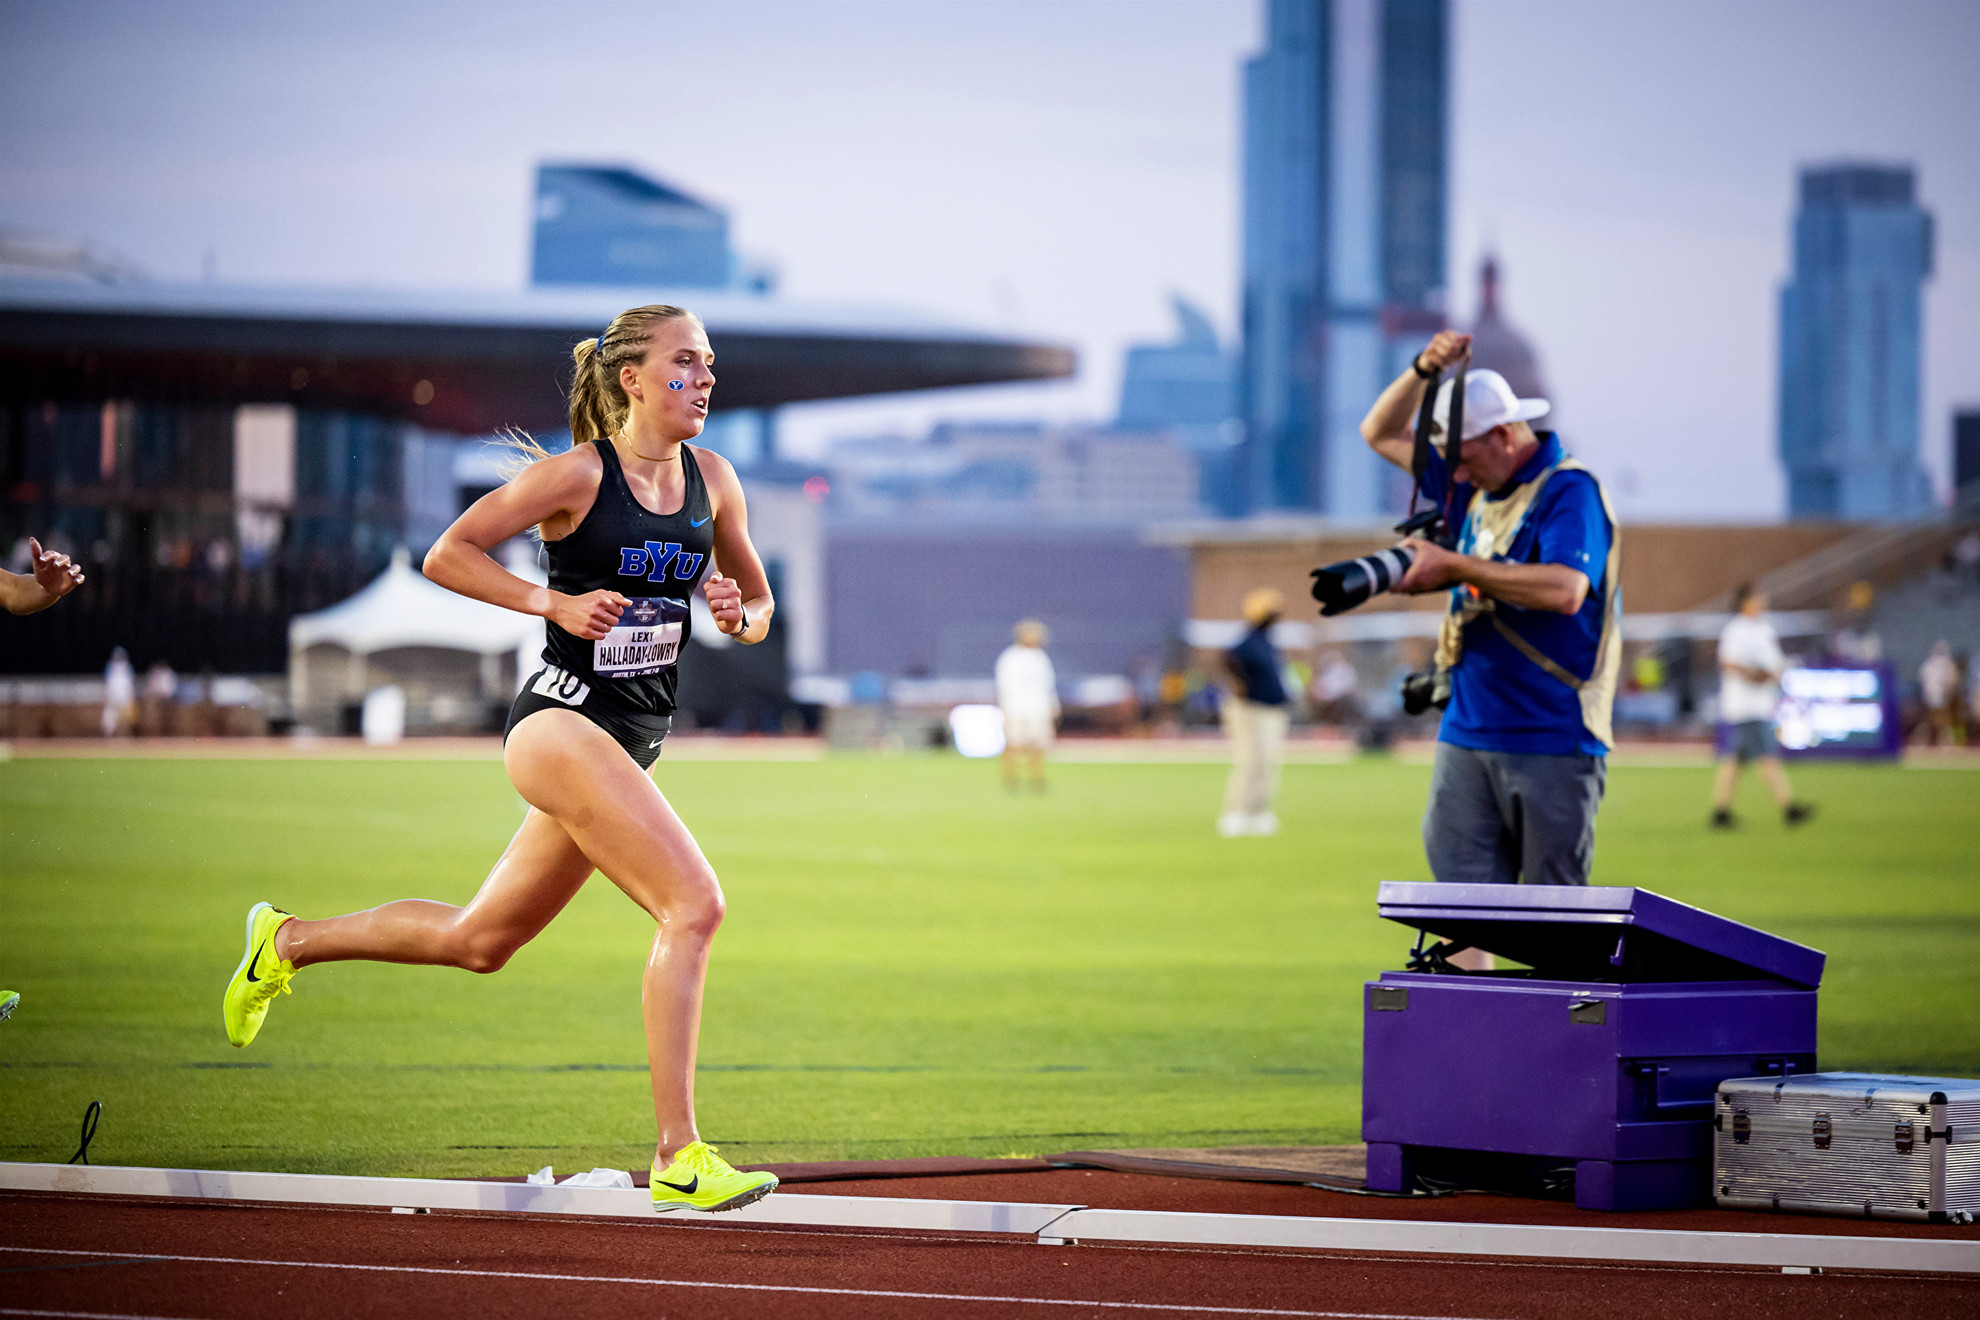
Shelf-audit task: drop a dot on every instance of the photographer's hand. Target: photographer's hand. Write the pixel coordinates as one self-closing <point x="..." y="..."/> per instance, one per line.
<point x="1389" y="426"/>
<point x="1433" y="568"/>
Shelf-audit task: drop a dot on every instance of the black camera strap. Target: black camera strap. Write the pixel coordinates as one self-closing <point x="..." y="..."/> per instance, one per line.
<point x="1426" y="426"/>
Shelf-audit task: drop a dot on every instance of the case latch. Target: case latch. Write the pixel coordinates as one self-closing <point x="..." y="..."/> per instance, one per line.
<point x="1901" y="1138"/>
<point x="1823" y="1131"/>
<point x="1742" y="1127"/>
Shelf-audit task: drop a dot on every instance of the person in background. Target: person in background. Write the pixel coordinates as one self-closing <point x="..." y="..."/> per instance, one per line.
<point x="1028" y="694"/>
<point x="1333" y="690"/>
<point x="1255" y="720"/>
<point x="1750" y="665"/>
<point x="51" y="576"/>
<point x="161" y="688"/>
<point x="119" y="694"/>
<point x="1938" y="687"/>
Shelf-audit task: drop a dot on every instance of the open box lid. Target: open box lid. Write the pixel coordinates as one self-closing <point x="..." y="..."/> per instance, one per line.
<point x="1596" y="933"/>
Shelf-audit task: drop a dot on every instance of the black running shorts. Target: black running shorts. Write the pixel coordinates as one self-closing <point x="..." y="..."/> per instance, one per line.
<point x="553" y="689"/>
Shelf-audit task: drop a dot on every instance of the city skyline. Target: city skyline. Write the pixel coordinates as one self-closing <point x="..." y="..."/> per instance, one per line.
<point x="1057" y="169"/>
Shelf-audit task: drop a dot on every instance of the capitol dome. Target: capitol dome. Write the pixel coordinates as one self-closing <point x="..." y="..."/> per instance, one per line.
<point x="1495" y="344"/>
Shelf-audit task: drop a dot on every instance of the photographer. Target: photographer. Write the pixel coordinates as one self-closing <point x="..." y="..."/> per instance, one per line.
<point x="1530" y="646"/>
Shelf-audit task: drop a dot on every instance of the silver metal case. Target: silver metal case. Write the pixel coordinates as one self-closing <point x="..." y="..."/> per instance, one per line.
<point x="1849" y="1144"/>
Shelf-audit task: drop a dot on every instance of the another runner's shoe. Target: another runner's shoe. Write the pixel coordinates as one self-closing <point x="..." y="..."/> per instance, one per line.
<point x="260" y="977"/>
<point x="701" y="1179"/>
<point x="9" y="1001"/>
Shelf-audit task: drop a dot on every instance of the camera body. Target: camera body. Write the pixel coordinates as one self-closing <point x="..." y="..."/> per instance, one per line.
<point x="1341" y="587"/>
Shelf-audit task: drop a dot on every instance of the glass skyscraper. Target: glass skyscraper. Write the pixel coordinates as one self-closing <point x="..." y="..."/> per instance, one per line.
<point x="1850" y="328"/>
<point x="605" y="225"/>
<point x="1344" y="161"/>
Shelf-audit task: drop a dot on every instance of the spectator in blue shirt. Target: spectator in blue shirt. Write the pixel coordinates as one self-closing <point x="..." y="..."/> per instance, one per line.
<point x="1255" y="718"/>
<point x="1531" y="643"/>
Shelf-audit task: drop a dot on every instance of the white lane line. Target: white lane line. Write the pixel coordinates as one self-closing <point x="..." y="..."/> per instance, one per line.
<point x="745" y="1287"/>
<point x="86" y="1315"/>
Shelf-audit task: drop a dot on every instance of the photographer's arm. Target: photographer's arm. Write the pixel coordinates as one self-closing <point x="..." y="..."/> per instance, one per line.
<point x="1390" y="426"/>
<point x="1554" y="587"/>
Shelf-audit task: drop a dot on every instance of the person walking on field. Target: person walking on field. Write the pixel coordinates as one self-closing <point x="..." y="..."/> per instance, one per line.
<point x="634" y="519"/>
<point x="1750" y="667"/>
<point x="1028" y="694"/>
<point x="1255" y="719"/>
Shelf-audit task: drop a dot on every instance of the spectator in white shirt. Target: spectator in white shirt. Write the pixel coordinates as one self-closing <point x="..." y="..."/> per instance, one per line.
<point x="1750" y="665"/>
<point x="1938" y="685"/>
<point x="1028" y="693"/>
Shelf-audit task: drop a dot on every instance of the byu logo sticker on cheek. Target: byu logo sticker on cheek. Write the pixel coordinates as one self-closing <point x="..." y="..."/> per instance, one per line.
<point x="676" y="384"/>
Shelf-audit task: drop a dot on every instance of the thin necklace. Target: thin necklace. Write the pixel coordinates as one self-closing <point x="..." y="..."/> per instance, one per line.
<point x="648" y="457"/>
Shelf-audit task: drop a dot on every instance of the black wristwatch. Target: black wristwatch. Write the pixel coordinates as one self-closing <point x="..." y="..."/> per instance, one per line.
<point x="1416" y="365"/>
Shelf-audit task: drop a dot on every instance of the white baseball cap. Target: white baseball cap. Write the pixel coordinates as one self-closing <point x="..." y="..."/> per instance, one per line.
<point x="1488" y="402"/>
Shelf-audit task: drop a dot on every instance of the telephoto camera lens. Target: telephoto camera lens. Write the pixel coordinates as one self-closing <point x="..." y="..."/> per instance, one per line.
<point x="1340" y="587"/>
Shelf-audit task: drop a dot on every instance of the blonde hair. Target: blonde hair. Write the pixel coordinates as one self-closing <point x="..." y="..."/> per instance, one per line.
<point x="1029" y="632"/>
<point x="598" y="402"/>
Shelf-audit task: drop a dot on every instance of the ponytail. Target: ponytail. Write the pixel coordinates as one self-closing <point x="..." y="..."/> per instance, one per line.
<point x="598" y="402"/>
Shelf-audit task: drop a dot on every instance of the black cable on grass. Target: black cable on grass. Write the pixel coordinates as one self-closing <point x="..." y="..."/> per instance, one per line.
<point x="90" y="1117"/>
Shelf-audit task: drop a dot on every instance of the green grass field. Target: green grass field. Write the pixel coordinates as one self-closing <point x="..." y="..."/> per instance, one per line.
<point x="914" y="962"/>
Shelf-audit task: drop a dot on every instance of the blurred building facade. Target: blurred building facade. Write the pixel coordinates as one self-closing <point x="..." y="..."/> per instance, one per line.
<point x="1188" y="388"/>
<point x="612" y="226"/>
<point x="1850" y="343"/>
<point x="1966" y="449"/>
<point x="1345" y="183"/>
<point x="223" y="458"/>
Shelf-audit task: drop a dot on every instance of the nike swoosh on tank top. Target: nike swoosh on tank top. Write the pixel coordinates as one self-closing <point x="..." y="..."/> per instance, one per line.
<point x="654" y="559"/>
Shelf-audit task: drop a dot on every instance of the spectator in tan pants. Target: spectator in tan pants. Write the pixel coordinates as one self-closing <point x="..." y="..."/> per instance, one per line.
<point x="1255" y="721"/>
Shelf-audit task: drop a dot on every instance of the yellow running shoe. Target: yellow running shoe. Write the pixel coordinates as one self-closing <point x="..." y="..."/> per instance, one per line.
<point x="9" y="1001"/>
<point x="259" y="978"/>
<point x="702" y="1180"/>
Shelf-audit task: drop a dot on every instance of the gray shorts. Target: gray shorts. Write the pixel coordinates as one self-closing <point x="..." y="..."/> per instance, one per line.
<point x="1504" y="818"/>
<point x="1750" y="740"/>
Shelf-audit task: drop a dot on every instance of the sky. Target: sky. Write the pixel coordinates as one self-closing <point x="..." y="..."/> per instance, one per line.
<point x="1056" y="170"/>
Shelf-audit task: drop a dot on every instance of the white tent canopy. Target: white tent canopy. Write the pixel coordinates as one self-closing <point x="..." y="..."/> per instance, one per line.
<point x="401" y="608"/>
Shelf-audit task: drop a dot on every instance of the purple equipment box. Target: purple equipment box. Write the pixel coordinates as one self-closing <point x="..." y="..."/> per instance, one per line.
<point x="1604" y="1056"/>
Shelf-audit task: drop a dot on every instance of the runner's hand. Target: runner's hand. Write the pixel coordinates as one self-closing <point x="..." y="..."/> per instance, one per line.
<point x="589" y="616"/>
<point x="725" y="602"/>
<point x="54" y="573"/>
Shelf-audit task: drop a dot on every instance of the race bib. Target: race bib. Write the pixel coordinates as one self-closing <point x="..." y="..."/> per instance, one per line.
<point x="646" y="640"/>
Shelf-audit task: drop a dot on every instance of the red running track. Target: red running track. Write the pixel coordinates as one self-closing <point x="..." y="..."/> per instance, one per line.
<point x="97" y="1256"/>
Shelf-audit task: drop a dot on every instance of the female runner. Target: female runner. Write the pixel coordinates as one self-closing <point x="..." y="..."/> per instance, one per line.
<point x="584" y="731"/>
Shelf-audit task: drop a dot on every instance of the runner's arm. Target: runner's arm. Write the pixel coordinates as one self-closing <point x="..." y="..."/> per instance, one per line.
<point x="739" y="584"/>
<point x="550" y="491"/>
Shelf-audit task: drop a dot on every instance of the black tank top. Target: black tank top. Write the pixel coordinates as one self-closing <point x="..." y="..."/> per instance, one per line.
<point x="656" y="560"/>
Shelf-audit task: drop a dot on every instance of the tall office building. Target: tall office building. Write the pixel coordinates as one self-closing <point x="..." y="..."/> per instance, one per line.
<point x="609" y="226"/>
<point x="1344" y="161"/>
<point x="1188" y="388"/>
<point x="1850" y="328"/>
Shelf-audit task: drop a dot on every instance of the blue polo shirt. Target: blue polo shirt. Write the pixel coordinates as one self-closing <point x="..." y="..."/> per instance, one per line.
<point x="1500" y="700"/>
<point x="1257" y="661"/>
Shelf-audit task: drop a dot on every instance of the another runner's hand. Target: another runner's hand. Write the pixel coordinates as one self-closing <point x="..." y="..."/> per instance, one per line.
<point x="589" y="616"/>
<point x="54" y="573"/>
<point x="725" y="603"/>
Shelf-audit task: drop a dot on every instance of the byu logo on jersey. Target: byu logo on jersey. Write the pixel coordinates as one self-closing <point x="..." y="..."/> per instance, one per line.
<point x="652" y="560"/>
